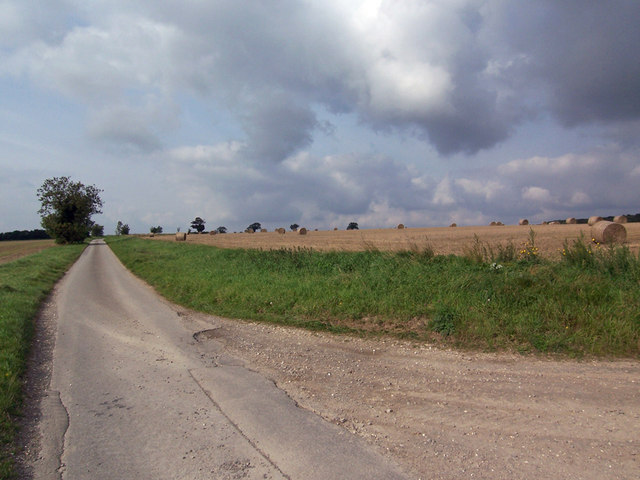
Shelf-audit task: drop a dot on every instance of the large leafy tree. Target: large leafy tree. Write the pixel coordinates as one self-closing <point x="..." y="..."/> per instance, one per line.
<point x="198" y="224"/>
<point x="97" y="230"/>
<point x="67" y="208"/>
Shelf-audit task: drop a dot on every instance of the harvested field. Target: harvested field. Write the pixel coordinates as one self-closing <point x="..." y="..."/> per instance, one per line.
<point x="443" y="240"/>
<point x="12" y="250"/>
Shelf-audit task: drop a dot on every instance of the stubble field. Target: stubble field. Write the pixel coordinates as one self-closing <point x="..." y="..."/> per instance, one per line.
<point x="443" y="240"/>
<point x="12" y="250"/>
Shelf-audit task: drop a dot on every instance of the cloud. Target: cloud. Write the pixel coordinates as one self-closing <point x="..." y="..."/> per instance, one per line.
<point x="317" y="191"/>
<point x="277" y="127"/>
<point x="584" y="54"/>
<point x="96" y="64"/>
<point x="23" y="22"/>
<point x="323" y="112"/>
<point x="443" y="194"/>
<point x="486" y="190"/>
<point x="576" y="182"/>
<point x="460" y="75"/>
<point x="579" y="198"/>
<point x="536" y="194"/>
<point x="132" y="128"/>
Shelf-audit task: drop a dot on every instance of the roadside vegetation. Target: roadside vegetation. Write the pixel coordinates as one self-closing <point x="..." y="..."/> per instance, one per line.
<point x="494" y="297"/>
<point x="24" y="283"/>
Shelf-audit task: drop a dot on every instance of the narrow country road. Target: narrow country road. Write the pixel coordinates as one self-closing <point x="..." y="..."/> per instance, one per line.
<point x="135" y="395"/>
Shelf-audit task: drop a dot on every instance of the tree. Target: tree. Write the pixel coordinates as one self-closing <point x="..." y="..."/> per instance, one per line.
<point x="221" y="229"/>
<point x="67" y="208"/>
<point x="294" y="227"/>
<point x="198" y="224"/>
<point x="97" y="230"/>
<point x="122" y="228"/>
<point x="157" y="229"/>
<point x="256" y="227"/>
<point x="352" y="226"/>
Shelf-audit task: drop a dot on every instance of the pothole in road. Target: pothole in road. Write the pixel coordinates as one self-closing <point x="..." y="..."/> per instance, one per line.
<point x="209" y="334"/>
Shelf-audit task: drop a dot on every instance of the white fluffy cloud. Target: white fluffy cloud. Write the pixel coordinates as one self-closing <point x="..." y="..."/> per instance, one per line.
<point x="537" y="195"/>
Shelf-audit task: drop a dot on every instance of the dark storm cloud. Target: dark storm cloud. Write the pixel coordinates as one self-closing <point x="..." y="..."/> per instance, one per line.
<point x="277" y="127"/>
<point x="585" y="53"/>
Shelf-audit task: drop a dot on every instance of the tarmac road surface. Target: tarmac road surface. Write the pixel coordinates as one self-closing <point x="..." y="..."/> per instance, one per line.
<point x="134" y="394"/>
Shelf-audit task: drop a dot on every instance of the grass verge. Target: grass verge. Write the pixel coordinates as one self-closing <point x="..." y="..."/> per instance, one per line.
<point x="24" y="284"/>
<point x="526" y="304"/>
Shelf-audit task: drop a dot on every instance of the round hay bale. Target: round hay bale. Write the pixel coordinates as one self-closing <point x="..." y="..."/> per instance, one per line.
<point x="181" y="237"/>
<point x="400" y="226"/>
<point x="281" y="231"/>
<point x="263" y="230"/>
<point x="152" y="235"/>
<point x="620" y="219"/>
<point x="453" y="225"/>
<point x="609" y="232"/>
<point x="593" y="220"/>
<point x="493" y="224"/>
<point x="571" y="221"/>
<point x="302" y="231"/>
<point x="523" y="221"/>
<point x="213" y="232"/>
<point x="249" y="230"/>
<point x="500" y="224"/>
<point x="335" y="229"/>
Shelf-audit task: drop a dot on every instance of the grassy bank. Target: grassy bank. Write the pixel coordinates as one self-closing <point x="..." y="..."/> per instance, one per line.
<point x="494" y="297"/>
<point x="24" y="283"/>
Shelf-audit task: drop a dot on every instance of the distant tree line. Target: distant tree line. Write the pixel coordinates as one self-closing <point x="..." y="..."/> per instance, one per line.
<point x="36" y="234"/>
<point x="630" y="219"/>
<point x="198" y="224"/>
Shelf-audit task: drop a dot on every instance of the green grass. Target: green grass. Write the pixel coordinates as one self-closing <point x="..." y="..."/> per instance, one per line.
<point x="526" y="304"/>
<point x="24" y="283"/>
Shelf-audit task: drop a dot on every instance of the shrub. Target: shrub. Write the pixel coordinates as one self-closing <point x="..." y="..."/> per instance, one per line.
<point x="529" y="251"/>
<point x="444" y="321"/>
<point x="579" y="253"/>
<point x="482" y="252"/>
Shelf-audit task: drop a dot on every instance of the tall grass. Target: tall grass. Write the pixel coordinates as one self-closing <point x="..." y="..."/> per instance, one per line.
<point x="525" y="304"/>
<point x="24" y="283"/>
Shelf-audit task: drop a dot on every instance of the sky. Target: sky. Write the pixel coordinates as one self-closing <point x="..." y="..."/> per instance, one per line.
<point x="322" y="112"/>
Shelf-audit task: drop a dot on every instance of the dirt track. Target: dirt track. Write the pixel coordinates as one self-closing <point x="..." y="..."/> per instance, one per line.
<point x="451" y="415"/>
